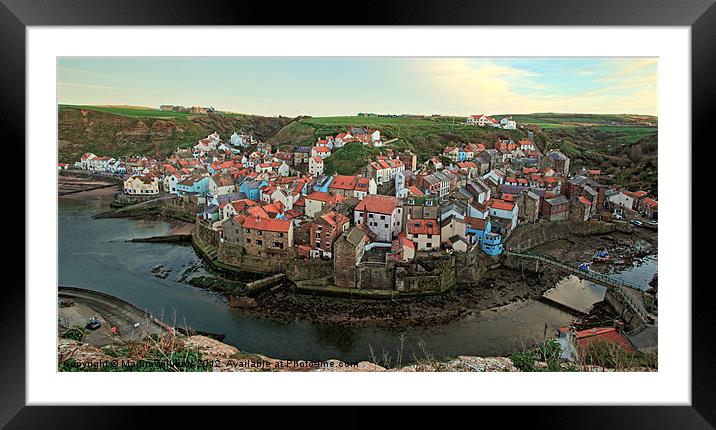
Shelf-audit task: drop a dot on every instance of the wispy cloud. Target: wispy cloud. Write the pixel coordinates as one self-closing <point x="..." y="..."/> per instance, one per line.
<point x="612" y="86"/>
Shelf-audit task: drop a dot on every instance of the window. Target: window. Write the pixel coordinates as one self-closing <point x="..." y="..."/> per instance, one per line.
<point x="259" y="242"/>
<point x="382" y="217"/>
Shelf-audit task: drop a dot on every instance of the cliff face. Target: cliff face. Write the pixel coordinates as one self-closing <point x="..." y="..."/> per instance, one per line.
<point x="84" y="130"/>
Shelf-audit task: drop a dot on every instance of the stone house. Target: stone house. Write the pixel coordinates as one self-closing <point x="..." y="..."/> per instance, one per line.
<point x="580" y="211"/>
<point x="266" y="237"/>
<point x="347" y="253"/>
<point x="555" y="208"/>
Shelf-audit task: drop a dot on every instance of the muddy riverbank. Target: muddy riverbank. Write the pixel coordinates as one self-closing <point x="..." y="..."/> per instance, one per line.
<point x="625" y="249"/>
<point x="500" y="287"/>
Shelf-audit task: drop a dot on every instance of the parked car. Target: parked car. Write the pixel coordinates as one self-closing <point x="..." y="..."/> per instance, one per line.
<point x="653" y="223"/>
<point x="636" y="222"/>
<point x="617" y="216"/>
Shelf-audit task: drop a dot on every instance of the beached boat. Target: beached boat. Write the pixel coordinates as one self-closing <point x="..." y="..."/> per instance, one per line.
<point x="600" y="257"/>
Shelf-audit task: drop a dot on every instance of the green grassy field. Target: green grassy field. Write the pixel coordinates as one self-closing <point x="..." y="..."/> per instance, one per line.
<point x="349" y="159"/>
<point x="131" y="112"/>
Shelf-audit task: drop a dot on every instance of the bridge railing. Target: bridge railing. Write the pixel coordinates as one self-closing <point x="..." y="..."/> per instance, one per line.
<point x="618" y="285"/>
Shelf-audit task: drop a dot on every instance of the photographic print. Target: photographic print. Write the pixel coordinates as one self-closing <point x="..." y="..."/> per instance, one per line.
<point x="368" y="214"/>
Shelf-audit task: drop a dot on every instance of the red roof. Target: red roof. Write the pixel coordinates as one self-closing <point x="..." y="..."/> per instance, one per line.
<point x="415" y="191"/>
<point x="500" y="204"/>
<point x="343" y="182"/>
<point x="407" y="243"/>
<point x="363" y="184"/>
<point x="423" y="226"/>
<point x="476" y="223"/>
<point x="650" y="202"/>
<point x="268" y="224"/>
<point x="335" y="218"/>
<point x="584" y="201"/>
<point x="607" y="334"/>
<point x="377" y="203"/>
<point x="257" y="211"/>
<point x="322" y="148"/>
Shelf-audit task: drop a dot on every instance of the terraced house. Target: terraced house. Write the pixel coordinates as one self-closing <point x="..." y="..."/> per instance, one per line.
<point x="141" y="185"/>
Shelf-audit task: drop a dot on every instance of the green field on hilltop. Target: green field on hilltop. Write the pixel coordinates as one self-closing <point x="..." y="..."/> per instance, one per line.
<point x="130" y="111"/>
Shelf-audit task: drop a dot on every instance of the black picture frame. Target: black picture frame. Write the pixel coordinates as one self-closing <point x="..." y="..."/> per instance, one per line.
<point x="699" y="15"/>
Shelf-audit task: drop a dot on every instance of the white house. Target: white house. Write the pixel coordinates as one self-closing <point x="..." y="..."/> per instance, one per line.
<point x="221" y="184"/>
<point x="320" y="151"/>
<point x="84" y="162"/>
<point x="481" y="120"/>
<point x="505" y="210"/>
<point x="383" y="215"/>
<point x="241" y="139"/>
<point x="508" y="124"/>
<point x="622" y="199"/>
<point x="141" y="185"/>
<point x="400" y="189"/>
<point x="315" y="166"/>
<point x="341" y="139"/>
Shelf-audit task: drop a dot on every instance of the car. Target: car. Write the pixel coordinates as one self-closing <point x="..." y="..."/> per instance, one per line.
<point x="636" y="222"/>
<point x="617" y="216"/>
<point x="654" y="223"/>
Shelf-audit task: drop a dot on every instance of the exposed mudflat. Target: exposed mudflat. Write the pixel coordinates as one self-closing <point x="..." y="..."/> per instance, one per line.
<point x="498" y="288"/>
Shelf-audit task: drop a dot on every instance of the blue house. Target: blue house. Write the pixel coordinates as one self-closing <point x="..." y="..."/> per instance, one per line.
<point x="461" y="154"/>
<point x="476" y="229"/>
<point x="322" y="183"/>
<point x="193" y="185"/>
<point x="252" y="188"/>
<point x="492" y="244"/>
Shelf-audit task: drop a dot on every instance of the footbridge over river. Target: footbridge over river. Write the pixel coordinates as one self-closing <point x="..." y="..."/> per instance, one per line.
<point x="623" y="292"/>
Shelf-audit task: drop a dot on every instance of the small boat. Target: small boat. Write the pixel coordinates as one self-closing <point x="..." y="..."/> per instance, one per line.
<point x="93" y="324"/>
<point x="601" y="256"/>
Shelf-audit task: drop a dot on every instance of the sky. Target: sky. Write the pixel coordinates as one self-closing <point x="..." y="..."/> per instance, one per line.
<point x="335" y="86"/>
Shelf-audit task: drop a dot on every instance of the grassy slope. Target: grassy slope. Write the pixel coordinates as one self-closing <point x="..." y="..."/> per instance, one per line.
<point x="425" y="137"/>
<point x="118" y="131"/>
<point x="349" y="159"/>
<point x="132" y="111"/>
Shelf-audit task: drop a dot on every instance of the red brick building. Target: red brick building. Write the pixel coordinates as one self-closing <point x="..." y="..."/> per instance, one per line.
<point x="326" y="229"/>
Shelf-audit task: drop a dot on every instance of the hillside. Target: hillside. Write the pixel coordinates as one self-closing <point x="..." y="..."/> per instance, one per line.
<point x="425" y="137"/>
<point x="119" y="131"/>
<point x="624" y="146"/>
<point x="349" y="159"/>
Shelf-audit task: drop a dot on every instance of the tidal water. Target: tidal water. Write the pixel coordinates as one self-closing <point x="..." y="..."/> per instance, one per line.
<point x="93" y="254"/>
